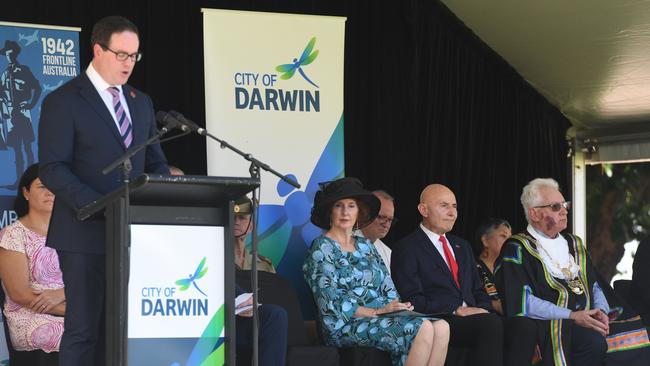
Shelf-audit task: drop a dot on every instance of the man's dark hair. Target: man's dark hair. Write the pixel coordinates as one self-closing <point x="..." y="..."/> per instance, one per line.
<point x="106" y="27"/>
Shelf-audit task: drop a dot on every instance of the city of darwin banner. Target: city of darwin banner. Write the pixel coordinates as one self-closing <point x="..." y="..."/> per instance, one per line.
<point x="34" y="60"/>
<point x="274" y="88"/>
<point x="176" y="295"/>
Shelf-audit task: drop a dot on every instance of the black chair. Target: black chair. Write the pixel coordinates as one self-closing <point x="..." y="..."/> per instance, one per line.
<point x="623" y="288"/>
<point x="354" y="356"/>
<point x="10" y="347"/>
<point x="279" y="291"/>
<point x="364" y="356"/>
<point x="457" y="356"/>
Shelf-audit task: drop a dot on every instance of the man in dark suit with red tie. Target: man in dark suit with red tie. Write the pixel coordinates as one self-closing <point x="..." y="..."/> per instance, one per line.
<point x="436" y="273"/>
<point x="85" y="125"/>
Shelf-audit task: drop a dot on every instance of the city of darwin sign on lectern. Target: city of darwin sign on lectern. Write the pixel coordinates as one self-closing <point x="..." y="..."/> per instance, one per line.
<point x="170" y="270"/>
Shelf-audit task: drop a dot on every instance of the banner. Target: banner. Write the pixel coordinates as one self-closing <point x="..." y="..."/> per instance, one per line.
<point x="176" y="295"/>
<point x="34" y="60"/>
<point x="274" y="88"/>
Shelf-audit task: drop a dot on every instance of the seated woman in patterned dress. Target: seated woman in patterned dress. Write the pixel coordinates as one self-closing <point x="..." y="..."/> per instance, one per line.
<point x="31" y="278"/>
<point x="353" y="288"/>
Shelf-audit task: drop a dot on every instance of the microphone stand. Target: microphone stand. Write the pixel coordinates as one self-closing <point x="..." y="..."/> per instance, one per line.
<point x="254" y="171"/>
<point x="125" y="163"/>
<point x="125" y="160"/>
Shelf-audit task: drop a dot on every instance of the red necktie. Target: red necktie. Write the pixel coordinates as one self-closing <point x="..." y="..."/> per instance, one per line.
<point x="453" y="266"/>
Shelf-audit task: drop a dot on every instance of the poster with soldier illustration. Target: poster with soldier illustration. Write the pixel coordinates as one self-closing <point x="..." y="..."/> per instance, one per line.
<point x="34" y="60"/>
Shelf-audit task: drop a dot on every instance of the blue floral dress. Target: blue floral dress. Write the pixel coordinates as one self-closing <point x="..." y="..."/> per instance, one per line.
<point x="342" y="281"/>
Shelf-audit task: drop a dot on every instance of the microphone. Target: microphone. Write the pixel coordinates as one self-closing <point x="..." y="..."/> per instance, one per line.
<point x="188" y="123"/>
<point x="169" y="122"/>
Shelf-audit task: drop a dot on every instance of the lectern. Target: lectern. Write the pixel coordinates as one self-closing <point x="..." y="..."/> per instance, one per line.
<point x="170" y="281"/>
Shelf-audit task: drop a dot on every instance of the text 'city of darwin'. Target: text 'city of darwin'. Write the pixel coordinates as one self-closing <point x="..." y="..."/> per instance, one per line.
<point x="175" y="307"/>
<point x="278" y="100"/>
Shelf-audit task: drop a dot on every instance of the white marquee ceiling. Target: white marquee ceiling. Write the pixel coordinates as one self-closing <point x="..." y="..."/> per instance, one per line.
<point x="590" y="58"/>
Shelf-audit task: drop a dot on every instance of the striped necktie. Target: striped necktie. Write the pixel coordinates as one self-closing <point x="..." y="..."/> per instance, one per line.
<point x="122" y="118"/>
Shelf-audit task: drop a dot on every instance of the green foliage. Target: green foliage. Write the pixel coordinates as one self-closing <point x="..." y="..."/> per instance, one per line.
<point x="630" y="185"/>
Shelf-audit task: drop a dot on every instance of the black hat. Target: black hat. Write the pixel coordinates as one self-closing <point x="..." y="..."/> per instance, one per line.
<point x="337" y="190"/>
<point x="10" y="45"/>
<point x="243" y="205"/>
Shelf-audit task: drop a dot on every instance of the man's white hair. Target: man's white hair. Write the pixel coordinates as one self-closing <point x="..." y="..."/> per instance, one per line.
<point x="531" y="196"/>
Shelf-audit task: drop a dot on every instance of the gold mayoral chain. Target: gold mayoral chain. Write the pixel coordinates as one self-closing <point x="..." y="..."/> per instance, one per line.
<point x="574" y="283"/>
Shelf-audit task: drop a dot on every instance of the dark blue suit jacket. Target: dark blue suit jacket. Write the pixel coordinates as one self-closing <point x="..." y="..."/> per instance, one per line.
<point x="422" y="276"/>
<point x="78" y="138"/>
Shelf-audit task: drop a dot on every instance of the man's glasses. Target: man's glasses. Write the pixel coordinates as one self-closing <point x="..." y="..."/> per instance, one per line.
<point x="557" y="206"/>
<point x="386" y="220"/>
<point x="122" y="56"/>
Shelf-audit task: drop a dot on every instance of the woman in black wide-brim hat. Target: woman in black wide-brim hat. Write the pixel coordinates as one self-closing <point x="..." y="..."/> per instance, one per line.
<point x="354" y="292"/>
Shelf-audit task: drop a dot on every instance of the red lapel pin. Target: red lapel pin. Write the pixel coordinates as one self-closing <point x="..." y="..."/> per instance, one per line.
<point x="132" y="94"/>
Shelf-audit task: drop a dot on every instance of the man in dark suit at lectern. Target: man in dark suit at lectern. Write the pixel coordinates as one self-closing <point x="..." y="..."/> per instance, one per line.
<point x="85" y="125"/>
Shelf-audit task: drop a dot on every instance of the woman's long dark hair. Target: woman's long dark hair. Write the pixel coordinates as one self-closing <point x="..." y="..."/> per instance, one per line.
<point x="21" y="206"/>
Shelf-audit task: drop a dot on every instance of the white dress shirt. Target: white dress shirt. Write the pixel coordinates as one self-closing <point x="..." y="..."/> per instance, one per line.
<point x="101" y="85"/>
<point x="435" y="239"/>
<point x="384" y="252"/>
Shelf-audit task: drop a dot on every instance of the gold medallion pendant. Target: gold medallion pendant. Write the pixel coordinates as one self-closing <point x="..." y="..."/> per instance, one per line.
<point x="576" y="286"/>
<point x="574" y="283"/>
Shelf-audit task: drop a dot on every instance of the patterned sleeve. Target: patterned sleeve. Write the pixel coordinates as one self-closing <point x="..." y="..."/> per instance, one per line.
<point x="13" y="238"/>
<point x="512" y="279"/>
<point x="328" y="287"/>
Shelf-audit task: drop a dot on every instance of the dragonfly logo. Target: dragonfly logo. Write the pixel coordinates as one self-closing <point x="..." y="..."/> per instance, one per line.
<point x="185" y="283"/>
<point x="163" y="301"/>
<point x="250" y="95"/>
<point x="305" y="59"/>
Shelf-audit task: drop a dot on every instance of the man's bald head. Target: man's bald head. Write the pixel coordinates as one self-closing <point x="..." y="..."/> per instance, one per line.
<point x="438" y="208"/>
<point x="434" y="190"/>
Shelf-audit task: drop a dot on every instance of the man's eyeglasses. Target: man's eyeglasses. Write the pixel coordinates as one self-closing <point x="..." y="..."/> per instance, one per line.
<point x="122" y="56"/>
<point x="386" y="220"/>
<point x="557" y="206"/>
